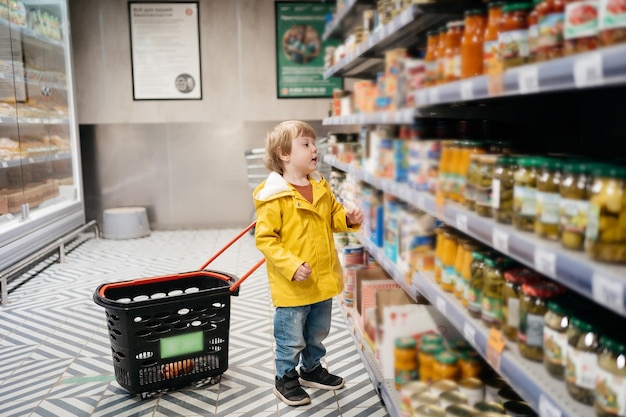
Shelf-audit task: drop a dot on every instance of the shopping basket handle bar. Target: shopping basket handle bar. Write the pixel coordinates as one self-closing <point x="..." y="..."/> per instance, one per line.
<point x="246" y="275"/>
<point x="228" y="245"/>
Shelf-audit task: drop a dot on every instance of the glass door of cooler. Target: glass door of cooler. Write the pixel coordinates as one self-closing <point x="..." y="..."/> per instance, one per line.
<point x="40" y="187"/>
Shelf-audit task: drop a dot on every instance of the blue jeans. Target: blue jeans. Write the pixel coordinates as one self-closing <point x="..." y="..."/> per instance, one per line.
<point x="298" y="334"/>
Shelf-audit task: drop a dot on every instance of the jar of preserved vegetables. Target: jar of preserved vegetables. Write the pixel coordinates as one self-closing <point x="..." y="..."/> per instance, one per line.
<point x="581" y="26"/>
<point x="524" y="193"/>
<point x="533" y="307"/>
<point x="511" y="296"/>
<point x="502" y="189"/>
<point x="555" y="324"/>
<point x="491" y="48"/>
<point x="581" y="358"/>
<point x="605" y="236"/>
<point x="472" y="43"/>
<point x="439" y="245"/>
<point x="458" y="266"/>
<point x="473" y="175"/>
<point x="476" y="284"/>
<point x="551" y="22"/>
<point x="445" y="167"/>
<point x="612" y="24"/>
<point x="426" y="355"/>
<point x="611" y="378"/>
<point x="513" y="34"/>
<point x="430" y="58"/>
<point x="448" y="256"/>
<point x="471" y="364"/>
<point x="440" y="52"/>
<point x="548" y="182"/>
<point x="468" y="148"/>
<point x="452" y="69"/>
<point x="491" y="312"/>
<point x="574" y="204"/>
<point x="405" y="360"/>
<point x="466" y="270"/>
<point x="483" y="190"/>
<point x="446" y="366"/>
<point x="533" y="32"/>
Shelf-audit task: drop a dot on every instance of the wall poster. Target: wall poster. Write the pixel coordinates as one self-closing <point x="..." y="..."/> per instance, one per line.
<point x="300" y="50"/>
<point x="165" y="51"/>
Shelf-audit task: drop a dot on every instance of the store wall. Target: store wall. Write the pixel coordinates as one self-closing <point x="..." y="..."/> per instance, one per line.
<point x="182" y="159"/>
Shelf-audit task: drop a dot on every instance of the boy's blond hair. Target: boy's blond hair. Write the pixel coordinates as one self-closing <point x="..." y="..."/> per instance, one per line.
<point x="278" y="141"/>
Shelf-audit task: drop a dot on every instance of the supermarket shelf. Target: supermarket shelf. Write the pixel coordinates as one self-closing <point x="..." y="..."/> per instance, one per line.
<point x="401" y="32"/>
<point x="545" y="394"/>
<point x="35" y="160"/>
<point x="346" y="18"/>
<point x="398" y="117"/>
<point x="32" y="35"/>
<point x="387" y="264"/>
<point x="34" y="120"/>
<point x="603" y="283"/>
<point x="603" y="67"/>
<point x="385" y="388"/>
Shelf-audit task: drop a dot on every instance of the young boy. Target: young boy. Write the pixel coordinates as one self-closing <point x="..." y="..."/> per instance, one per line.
<point x="297" y="214"/>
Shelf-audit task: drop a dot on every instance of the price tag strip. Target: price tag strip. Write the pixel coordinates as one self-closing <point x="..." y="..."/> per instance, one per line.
<point x="608" y="292"/>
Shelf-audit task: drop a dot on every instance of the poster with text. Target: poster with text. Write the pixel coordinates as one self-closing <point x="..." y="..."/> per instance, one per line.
<point x="165" y="49"/>
<point x="300" y="50"/>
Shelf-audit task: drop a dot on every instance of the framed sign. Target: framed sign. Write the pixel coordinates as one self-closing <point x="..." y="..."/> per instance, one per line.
<point x="300" y="50"/>
<point x="165" y="51"/>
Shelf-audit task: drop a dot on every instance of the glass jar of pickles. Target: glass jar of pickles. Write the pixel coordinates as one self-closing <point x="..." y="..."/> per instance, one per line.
<point x="605" y="236"/>
<point x="471" y="364"/>
<point x="555" y="324"/>
<point x="448" y="256"/>
<point x="476" y="284"/>
<point x="574" y="204"/>
<point x="511" y="296"/>
<point x="473" y="175"/>
<point x="610" y="378"/>
<point x="524" y="194"/>
<point x="502" y="189"/>
<point x="547" y="205"/>
<point x="491" y="311"/>
<point x="513" y="34"/>
<point x="581" y="359"/>
<point x="533" y="307"/>
<point x="466" y="270"/>
<point x="483" y="205"/>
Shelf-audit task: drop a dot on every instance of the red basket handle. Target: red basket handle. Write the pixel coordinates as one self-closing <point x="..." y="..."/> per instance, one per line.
<point x="228" y="245"/>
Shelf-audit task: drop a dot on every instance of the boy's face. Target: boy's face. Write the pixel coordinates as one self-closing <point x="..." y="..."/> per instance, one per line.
<point x="303" y="157"/>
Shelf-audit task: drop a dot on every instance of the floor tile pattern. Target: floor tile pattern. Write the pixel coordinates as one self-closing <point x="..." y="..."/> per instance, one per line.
<point x="55" y="357"/>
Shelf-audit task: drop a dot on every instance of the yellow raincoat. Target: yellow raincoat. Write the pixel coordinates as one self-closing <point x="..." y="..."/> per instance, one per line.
<point x="291" y="231"/>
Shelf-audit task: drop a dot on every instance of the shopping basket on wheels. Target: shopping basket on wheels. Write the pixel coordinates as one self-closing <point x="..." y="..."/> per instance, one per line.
<point x="170" y="331"/>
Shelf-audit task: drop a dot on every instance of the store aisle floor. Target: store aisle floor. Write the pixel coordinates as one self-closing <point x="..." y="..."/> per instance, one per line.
<point x="55" y="353"/>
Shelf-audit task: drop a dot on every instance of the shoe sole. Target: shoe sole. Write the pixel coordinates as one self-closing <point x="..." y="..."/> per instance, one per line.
<point x="303" y="401"/>
<point x="313" y="384"/>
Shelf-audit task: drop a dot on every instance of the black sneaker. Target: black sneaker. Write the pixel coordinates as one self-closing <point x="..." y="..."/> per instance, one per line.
<point x="320" y="378"/>
<point x="288" y="389"/>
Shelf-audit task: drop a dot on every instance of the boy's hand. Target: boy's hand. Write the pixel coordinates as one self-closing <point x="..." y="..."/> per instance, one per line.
<point x="302" y="273"/>
<point x="354" y="216"/>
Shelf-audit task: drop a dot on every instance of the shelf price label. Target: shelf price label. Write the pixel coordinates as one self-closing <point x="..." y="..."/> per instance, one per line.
<point x="469" y="333"/>
<point x="467" y="90"/>
<point x="608" y="292"/>
<point x="547" y="408"/>
<point x="588" y="71"/>
<point x="440" y="303"/>
<point x="528" y="79"/>
<point x="421" y="98"/>
<point x="500" y="240"/>
<point x="433" y="95"/>
<point x="495" y="346"/>
<point x="5" y="164"/>
<point x="545" y="262"/>
<point x="461" y="222"/>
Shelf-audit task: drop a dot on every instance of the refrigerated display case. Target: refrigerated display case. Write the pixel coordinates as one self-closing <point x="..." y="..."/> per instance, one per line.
<point x="40" y="179"/>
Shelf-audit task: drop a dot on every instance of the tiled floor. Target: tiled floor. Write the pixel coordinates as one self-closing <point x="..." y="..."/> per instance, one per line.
<point x="55" y="355"/>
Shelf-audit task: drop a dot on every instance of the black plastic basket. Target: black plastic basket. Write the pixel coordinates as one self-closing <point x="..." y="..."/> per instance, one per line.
<point x="169" y="331"/>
